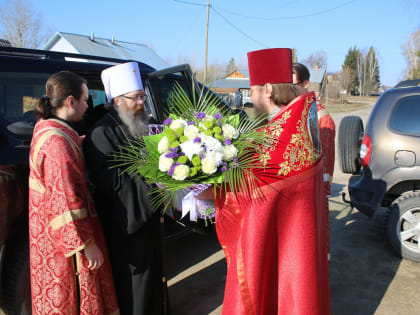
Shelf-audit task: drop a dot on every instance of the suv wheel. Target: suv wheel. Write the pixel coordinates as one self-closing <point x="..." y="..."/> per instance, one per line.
<point x="350" y="136"/>
<point x="16" y="281"/>
<point x="403" y="228"/>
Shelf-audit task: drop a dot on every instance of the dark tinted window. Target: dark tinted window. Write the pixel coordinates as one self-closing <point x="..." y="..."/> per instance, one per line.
<point x="405" y="117"/>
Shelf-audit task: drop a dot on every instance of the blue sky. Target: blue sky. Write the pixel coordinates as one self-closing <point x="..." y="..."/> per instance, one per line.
<point x="176" y="29"/>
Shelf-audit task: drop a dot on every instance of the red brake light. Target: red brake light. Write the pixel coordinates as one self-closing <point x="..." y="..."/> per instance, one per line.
<point x="366" y="150"/>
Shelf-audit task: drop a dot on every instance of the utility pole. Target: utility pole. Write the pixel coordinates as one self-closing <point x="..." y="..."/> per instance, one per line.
<point x="207" y="39"/>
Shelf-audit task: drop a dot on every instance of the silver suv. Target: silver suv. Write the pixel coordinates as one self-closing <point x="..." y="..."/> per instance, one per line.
<point x="385" y="161"/>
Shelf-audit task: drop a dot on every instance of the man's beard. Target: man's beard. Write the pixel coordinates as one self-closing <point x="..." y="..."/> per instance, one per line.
<point x="137" y="124"/>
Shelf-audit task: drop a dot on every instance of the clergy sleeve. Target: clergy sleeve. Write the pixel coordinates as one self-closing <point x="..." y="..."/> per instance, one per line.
<point x="66" y="196"/>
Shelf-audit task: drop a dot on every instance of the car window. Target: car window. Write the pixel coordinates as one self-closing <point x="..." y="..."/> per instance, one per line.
<point x="405" y="116"/>
<point x="19" y="93"/>
<point x="166" y="84"/>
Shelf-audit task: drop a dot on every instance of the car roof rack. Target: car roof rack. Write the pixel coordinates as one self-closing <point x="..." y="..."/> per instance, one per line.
<point x="408" y="83"/>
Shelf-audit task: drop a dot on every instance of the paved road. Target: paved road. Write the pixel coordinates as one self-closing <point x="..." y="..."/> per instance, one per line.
<point x="365" y="276"/>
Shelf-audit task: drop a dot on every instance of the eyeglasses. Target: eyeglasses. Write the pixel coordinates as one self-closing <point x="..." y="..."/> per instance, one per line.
<point x="136" y="98"/>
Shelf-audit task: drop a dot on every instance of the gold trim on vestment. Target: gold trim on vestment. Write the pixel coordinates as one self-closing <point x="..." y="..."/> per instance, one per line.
<point x="36" y="185"/>
<point x="68" y="216"/>
<point x="78" y="249"/>
<point x="53" y="131"/>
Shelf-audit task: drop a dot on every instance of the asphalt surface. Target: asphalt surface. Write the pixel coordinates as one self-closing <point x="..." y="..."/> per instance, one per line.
<point x="365" y="275"/>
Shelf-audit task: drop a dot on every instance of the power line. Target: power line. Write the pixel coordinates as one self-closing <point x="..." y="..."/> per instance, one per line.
<point x="291" y="17"/>
<point x="227" y="21"/>
<point x="236" y="28"/>
<point x="192" y="3"/>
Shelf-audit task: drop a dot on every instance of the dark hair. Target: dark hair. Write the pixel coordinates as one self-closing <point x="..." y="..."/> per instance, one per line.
<point x="58" y="87"/>
<point x="302" y="73"/>
<point x="283" y="93"/>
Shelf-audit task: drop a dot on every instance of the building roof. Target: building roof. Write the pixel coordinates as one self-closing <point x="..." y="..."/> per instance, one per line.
<point x="317" y="75"/>
<point x="231" y="75"/>
<point x="5" y="43"/>
<point x="103" y="47"/>
<point x="231" y="84"/>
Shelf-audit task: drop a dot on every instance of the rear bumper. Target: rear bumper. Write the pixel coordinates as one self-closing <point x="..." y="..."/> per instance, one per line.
<point x="366" y="194"/>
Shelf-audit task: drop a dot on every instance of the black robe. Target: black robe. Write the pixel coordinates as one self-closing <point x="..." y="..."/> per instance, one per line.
<point x="131" y="227"/>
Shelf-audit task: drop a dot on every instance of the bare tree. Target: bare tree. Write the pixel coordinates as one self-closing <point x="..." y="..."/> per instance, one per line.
<point x="346" y="78"/>
<point x="410" y="51"/>
<point x="360" y="71"/>
<point x="21" y="25"/>
<point x="371" y="72"/>
<point x="317" y="59"/>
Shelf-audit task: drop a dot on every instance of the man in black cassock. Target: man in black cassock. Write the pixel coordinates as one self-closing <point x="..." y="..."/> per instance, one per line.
<point x="131" y="227"/>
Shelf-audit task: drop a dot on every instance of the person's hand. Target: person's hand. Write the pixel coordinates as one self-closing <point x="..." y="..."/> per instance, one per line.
<point x="82" y="138"/>
<point x="94" y="257"/>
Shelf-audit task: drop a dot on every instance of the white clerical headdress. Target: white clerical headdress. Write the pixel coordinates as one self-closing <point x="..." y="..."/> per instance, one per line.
<point x="121" y="79"/>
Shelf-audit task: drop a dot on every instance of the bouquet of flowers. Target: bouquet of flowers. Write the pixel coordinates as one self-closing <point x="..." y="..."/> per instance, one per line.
<point x="202" y="143"/>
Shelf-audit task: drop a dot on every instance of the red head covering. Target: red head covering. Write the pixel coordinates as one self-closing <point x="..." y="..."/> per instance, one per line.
<point x="270" y="66"/>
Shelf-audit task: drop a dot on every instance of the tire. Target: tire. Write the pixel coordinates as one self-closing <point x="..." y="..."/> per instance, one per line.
<point x="16" y="281"/>
<point x="403" y="228"/>
<point x="350" y="136"/>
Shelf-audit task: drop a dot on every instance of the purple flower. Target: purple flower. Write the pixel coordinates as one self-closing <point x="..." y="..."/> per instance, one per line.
<point x="197" y="139"/>
<point x="219" y="122"/>
<point x="171" y="170"/>
<point x="228" y="142"/>
<point x="171" y="155"/>
<point x="191" y="123"/>
<point x="235" y="160"/>
<point x="167" y="121"/>
<point x="181" y="154"/>
<point x="201" y="115"/>
<point x="201" y="156"/>
<point x="224" y="167"/>
<point x="218" y="116"/>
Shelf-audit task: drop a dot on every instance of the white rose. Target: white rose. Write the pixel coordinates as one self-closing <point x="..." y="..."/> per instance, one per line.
<point x="229" y="132"/>
<point x="165" y="163"/>
<point x="191" y="132"/>
<point x="178" y="123"/>
<point x="216" y="156"/>
<point x="189" y="148"/>
<point x="208" y="165"/>
<point x="163" y="145"/>
<point x="212" y="144"/>
<point x="181" y="172"/>
<point x="229" y="152"/>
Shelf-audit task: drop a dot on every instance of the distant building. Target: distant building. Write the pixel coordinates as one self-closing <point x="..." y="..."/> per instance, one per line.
<point x="233" y="88"/>
<point x="236" y="85"/>
<point x="318" y="80"/>
<point x="91" y="45"/>
<point x="5" y="43"/>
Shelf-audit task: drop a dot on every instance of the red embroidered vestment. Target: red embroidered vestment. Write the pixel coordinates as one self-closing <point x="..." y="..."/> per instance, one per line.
<point x="62" y="222"/>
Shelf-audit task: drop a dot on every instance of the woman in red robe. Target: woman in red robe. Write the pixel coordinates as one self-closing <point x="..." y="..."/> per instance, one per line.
<point x="70" y="272"/>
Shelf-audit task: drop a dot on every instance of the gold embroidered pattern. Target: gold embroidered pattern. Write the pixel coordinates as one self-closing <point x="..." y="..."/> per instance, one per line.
<point x="300" y="152"/>
<point x="264" y="158"/>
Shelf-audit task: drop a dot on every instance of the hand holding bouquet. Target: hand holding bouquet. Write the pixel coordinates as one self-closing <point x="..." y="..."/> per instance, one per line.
<point x="201" y="143"/>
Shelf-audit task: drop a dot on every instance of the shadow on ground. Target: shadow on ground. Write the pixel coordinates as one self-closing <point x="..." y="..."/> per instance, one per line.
<point x="195" y="289"/>
<point x="362" y="263"/>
